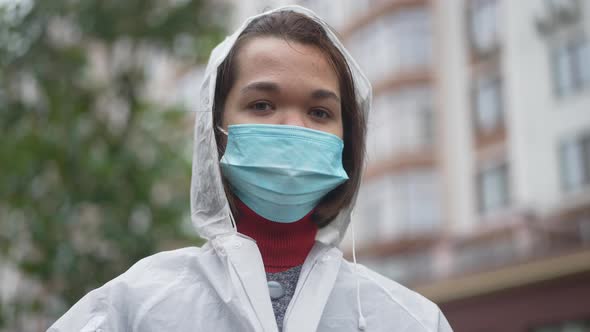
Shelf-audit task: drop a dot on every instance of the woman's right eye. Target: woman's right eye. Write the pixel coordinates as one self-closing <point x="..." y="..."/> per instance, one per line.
<point x="261" y="106"/>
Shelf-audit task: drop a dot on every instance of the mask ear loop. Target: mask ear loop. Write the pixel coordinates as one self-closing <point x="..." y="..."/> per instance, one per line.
<point x="222" y="130"/>
<point x="231" y="215"/>
<point x="362" y="322"/>
<point x="233" y="222"/>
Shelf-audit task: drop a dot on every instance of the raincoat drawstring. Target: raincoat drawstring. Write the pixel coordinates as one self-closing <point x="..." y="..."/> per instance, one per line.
<point x="362" y="323"/>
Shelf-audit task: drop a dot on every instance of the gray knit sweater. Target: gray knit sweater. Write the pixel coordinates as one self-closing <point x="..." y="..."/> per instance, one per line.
<point x="288" y="279"/>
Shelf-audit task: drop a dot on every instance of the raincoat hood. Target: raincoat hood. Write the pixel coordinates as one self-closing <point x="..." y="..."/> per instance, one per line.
<point x="210" y="211"/>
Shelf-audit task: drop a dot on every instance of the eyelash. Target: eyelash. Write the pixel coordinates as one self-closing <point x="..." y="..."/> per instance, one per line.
<point x="261" y="102"/>
<point x="325" y="114"/>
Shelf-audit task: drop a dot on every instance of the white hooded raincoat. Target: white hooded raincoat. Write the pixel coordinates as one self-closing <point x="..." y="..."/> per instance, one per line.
<point x="222" y="286"/>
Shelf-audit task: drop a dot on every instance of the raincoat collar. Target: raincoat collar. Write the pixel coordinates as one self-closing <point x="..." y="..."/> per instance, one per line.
<point x="244" y="264"/>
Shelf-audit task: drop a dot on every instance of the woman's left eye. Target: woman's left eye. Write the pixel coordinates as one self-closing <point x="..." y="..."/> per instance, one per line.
<point x="261" y="106"/>
<point x="319" y="113"/>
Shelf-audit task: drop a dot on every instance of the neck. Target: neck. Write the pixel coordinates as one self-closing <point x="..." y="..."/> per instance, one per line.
<point x="282" y="245"/>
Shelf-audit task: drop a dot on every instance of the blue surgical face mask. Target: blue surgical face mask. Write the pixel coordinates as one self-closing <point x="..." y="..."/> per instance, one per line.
<point x="281" y="172"/>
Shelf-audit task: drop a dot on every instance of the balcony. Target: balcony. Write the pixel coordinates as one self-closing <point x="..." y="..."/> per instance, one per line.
<point x="523" y="248"/>
<point x="557" y="15"/>
<point x="384" y="8"/>
<point x="401" y="162"/>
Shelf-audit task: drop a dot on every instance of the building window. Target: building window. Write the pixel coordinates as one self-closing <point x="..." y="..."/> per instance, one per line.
<point x="400" y="204"/>
<point x="575" y="163"/>
<point x="369" y="50"/>
<point x="412" y="38"/>
<point x="571" y="66"/>
<point x="483" y="25"/>
<point x="413" y="125"/>
<point x="474" y="255"/>
<point x="416" y="203"/>
<point x="401" y="122"/>
<point x="558" y="14"/>
<point x="570" y="326"/>
<point x="493" y="188"/>
<point x="398" y="42"/>
<point x="488" y="105"/>
<point x="380" y="130"/>
<point x="375" y="210"/>
<point x="336" y="16"/>
<point x="406" y="268"/>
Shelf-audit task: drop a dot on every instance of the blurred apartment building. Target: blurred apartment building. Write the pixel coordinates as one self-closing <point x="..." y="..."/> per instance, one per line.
<point x="477" y="187"/>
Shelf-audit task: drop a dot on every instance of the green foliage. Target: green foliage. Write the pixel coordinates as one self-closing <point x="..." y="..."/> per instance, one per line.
<point x="94" y="175"/>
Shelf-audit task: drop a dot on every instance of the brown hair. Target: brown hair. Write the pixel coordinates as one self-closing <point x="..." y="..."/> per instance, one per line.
<point x="296" y="27"/>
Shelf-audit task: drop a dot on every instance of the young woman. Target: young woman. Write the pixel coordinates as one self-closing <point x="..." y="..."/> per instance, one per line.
<point x="278" y="155"/>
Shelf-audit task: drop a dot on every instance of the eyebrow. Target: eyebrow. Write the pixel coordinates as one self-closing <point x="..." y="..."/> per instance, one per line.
<point x="325" y="94"/>
<point x="274" y="88"/>
<point x="261" y="86"/>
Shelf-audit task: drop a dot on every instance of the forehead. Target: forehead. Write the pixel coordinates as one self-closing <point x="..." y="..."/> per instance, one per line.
<point x="279" y="59"/>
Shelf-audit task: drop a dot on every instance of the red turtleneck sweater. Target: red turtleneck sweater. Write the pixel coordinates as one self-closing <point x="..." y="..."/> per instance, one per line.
<point x="282" y="245"/>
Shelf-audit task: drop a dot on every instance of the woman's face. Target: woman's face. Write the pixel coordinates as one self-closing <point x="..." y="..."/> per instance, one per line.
<point x="284" y="83"/>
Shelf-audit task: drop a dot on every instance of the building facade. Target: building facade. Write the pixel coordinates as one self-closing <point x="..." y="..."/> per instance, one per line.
<point x="477" y="186"/>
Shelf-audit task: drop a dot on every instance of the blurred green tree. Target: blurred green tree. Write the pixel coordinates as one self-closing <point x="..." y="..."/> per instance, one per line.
<point x="94" y="173"/>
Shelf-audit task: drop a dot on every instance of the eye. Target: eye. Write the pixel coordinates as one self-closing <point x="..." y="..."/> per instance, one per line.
<point x="319" y="113"/>
<point x="261" y="106"/>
